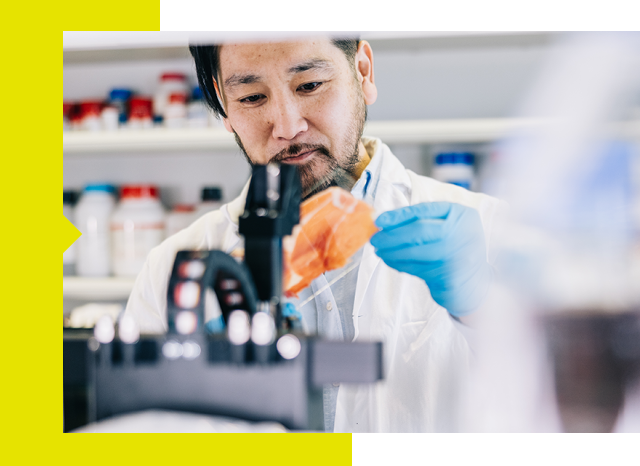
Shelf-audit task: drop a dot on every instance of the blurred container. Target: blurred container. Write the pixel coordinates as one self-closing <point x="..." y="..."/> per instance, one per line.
<point x="90" y="114"/>
<point x="69" y="199"/>
<point x="140" y="113"/>
<point x="66" y="115"/>
<point x="596" y="356"/>
<point x="75" y="118"/>
<point x="211" y="200"/>
<point x="175" y="112"/>
<point x="109" y="118"/>
<point x="180" y="217"/>
<point x="137" y="226"/>
<point x="119" y="98"/>
<point x="455" y="168"/>
<point x="197" y="114"/>
<point x="170" y="83"/>
<point x="92" y="215"/>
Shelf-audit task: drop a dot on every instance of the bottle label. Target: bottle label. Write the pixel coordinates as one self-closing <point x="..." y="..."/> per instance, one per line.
<point x="131" y="244"/>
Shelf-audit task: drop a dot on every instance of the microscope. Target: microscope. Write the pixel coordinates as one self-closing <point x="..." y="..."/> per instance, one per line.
<point x="251" y="360"/>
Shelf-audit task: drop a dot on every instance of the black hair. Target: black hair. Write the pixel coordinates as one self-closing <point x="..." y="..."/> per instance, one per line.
<point x="206" y="58"/>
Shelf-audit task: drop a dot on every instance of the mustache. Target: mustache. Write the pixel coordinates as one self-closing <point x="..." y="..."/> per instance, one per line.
<point x="297" y="149"/>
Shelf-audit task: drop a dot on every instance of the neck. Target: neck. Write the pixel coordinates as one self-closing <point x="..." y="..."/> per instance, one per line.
<point x="363" y="160"/>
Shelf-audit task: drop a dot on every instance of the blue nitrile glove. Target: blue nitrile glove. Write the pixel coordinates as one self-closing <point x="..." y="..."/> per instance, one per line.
<point x="442" y="243"/>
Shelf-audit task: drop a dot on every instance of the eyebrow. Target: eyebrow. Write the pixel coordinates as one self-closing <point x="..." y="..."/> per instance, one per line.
<point x="313" y="64"/>
<point x="238" y="79"/>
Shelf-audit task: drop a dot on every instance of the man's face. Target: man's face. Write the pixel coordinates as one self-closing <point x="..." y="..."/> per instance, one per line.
<point x="295" y="102"/>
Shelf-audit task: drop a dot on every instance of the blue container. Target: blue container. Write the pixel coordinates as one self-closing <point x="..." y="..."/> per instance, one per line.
<point x="119" y="98"/>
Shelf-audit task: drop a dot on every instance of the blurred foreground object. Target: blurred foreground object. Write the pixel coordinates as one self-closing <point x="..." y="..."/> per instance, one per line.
<point x="596" y="356"/>
<point x="550" y="355"/>
<point x="87" y="315"/>
<point x="158" y="421"/>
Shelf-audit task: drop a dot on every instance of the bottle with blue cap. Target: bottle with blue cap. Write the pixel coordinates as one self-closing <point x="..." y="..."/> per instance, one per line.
<point x="455" y="168"/>
<point x="93" y="213"/>
<point x="119" y="98"/>
<point x="197" y="113"/>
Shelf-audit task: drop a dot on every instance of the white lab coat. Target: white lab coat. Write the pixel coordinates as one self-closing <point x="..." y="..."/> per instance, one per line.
<point x="426" y="356"/>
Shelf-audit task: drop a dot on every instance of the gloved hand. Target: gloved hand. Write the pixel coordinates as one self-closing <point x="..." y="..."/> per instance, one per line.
<point x="442" y="243"/>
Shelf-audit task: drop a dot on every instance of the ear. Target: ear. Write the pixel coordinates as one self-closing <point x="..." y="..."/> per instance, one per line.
<point x="227" y="125"/>
<point x="364" y="71"/>
<point x="225" y="121"/>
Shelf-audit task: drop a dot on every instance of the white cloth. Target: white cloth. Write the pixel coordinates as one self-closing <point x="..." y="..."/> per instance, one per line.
<point x="426" y="358"/>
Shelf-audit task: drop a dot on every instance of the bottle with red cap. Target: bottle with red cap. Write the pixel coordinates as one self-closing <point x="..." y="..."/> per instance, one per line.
<point x="90" y="111"/>
<point x="67" y="107"/>
<point x="140" y="113"/>
<point x="170" y="83"/>
<point x="175" y="112"/>
<point x="137" y="226"/>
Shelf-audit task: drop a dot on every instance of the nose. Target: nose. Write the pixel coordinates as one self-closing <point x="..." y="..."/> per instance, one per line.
<point x="287" y="119"/>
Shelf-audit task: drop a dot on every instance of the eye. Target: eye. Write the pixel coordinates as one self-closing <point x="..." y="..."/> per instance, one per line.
<point x="251" y="99"/>
<point x="309" y="87"/>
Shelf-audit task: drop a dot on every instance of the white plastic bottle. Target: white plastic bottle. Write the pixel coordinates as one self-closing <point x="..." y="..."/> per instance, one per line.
<point x="170" y="83"/>
<point x="197" y="113"/>
<point x="180" y="217"/>
<point x="137" y="226"/>
<point x="68" y="210"/>
<point x="175" y="111"/>
<point x="92" y="217"/>
<point x="211" y="200"/>
<point x="455" y="168"/>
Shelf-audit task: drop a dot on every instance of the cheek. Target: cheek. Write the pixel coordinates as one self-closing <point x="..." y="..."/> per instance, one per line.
<point x="331" y="115"/>
<point x="254" y="134"/>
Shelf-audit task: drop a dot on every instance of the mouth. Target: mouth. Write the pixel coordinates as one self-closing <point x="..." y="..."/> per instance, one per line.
<point x="300" y="158"/>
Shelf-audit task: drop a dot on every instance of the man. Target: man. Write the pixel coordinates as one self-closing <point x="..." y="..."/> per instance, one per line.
<point x="304" y="103"/>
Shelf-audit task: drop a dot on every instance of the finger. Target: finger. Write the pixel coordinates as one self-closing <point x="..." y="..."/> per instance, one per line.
<point x="426" y="210"/>
<point x="422" y="253"/>
<point x="411" y="234"/>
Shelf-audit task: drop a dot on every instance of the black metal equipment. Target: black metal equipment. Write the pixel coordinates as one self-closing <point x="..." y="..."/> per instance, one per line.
<point x="271" y="211"/>
<point x="255" y="365"/>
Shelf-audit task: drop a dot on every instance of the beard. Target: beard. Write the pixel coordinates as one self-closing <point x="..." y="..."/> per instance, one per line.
<point x="326" y="169"/>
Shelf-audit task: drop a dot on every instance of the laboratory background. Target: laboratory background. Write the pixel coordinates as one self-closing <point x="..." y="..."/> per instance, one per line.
<point x="548" y="122"/>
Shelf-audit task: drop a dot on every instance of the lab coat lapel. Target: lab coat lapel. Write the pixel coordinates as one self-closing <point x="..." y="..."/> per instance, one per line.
<point x="393" y="191"/>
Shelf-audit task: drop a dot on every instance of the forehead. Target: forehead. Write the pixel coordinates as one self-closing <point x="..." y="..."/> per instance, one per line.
<point x="276" y="56"/>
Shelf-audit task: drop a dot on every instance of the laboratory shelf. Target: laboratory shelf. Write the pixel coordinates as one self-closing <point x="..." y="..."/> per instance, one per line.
<point x="101" y="289"/>
<point x="217" y="138"/>
<point x="146" y="140"/>
<point x="392" y="132"/>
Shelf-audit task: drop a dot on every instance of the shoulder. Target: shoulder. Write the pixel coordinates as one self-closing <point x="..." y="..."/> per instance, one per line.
<point x="421" y="188"/>
<point x="425" y="189"/>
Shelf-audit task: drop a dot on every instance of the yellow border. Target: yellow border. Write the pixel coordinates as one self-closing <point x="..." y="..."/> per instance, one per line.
<point x="32" y="351"/>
